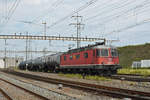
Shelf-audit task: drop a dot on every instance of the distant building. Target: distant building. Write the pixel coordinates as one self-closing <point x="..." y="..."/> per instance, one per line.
<point x="145" y="63"/>
<point x="141" y="64"/>
<point x="136" y="64"/>
<point x="10" y="62"/>
<point x="1" y="63"/>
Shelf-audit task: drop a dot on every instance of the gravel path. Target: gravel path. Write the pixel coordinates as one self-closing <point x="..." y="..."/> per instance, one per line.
<point x="78" y="94"/>
<point x="139" y="86"/>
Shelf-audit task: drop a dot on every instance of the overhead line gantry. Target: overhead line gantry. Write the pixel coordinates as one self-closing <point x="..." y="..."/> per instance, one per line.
<point x="33" y="51"/>
<point x="35" y="37"/>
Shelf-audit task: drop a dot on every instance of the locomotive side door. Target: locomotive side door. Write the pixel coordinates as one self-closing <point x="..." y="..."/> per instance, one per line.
<point x="93" y="56"/>
<point x="86" y="58"/>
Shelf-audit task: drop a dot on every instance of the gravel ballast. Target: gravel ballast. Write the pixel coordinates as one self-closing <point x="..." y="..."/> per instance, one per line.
<point x="41" y="91"/>
<point x="138" y="86"/>
<point x="69" y="92"/>
<point x="2" y="97"/>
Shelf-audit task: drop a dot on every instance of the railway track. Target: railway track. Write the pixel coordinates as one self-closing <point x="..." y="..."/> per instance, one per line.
<point x="5" y="94"/>
<point x="21" y="88"/>
<point x="133" y="75"/>
<point x="96" y="89"/>
<point x="128" y="77"/>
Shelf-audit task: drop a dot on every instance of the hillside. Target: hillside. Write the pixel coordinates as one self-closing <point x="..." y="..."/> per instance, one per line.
<point x="128" y="54"/>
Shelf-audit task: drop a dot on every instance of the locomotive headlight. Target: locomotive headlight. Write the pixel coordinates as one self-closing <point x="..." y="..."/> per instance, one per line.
<point x="110" y="59"/>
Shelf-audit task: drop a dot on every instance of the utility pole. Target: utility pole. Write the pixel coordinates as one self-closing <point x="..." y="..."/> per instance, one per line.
<point x="16" y="59"/>
<point x="44" y="29"/>
<point x="44" y="53"/>
<point x="5" y="55"/>
<point x="78" y="25"/>
<point x="30" y="49"/>
<point x="26" y="47"/>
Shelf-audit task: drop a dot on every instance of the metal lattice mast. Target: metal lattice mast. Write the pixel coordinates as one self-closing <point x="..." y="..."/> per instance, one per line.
<point x="78" y="25"/>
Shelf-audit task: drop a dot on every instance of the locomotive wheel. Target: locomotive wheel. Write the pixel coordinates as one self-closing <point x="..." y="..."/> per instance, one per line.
<point x="64" y="71"/>
<point x="44" y="69"/>
<point x="109" y="73"/>
<point x="104" y="73"/>
<point x="114" y="72"/>
<point x="40" y="70"/>
<point x="73" y="71"/>
<point x="89" y="72"/>
<point x="57" y="70"/>
<point x="37" y="69"/>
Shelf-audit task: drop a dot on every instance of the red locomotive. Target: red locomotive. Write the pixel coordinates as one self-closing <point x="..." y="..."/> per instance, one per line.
<point x="98" y="59"/>
<point x="92" y="59"/>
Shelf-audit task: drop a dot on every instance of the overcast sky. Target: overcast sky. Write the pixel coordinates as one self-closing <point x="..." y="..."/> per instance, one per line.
<point x="122" y="20"/>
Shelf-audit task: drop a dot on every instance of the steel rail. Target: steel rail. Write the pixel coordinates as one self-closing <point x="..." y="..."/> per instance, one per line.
<point x="134" y="75"/>
<point x="35" y="94"/>
<point x="135" y="78"/>
<point x="6" y="94"/>
<point x="110" y="91"/>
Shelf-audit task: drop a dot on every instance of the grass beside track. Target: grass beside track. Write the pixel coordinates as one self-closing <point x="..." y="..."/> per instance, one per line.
<point x="79" y="76"/>
<point x="88" y="77"/>
<point x="144" y="72"/>
<point x="131" y="53"/>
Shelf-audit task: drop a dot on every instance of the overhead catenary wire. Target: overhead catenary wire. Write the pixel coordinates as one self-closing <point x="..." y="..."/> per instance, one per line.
<point x="110" y="8"/>
<point x="12" y="7"/>
<point x="97" y="6"/>
<point x="138" y="9"/>
<point x="129" y="27"/>
<point x="105" y="8"/>
<point x="113" y="16"/>
<point x="12" y="10"/>
<point x="10" y="13"/>
<point x="50" y="8"/>
<point x="75" y="11"/>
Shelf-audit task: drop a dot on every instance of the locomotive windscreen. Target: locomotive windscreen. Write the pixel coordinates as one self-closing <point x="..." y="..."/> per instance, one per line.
<point x="114" y="53"/>
<point x="98" y="53"/>
<point x="101" y="52"/>
<point x="104" y="52"/>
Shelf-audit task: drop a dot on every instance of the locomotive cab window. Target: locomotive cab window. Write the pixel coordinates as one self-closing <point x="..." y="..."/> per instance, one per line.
<point x="65" y="58"/>
<point x="71" y="57"/>
<point x="78" y="56"/>
<point x="93" y="52"/>
<point x="114" y="53"/>
<point x="104" y="52"/>
<point x="98" y="53"/>
<point x="86" y="55"/>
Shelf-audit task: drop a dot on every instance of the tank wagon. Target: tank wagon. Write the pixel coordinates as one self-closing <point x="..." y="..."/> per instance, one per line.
<point x="92" y="59"/>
